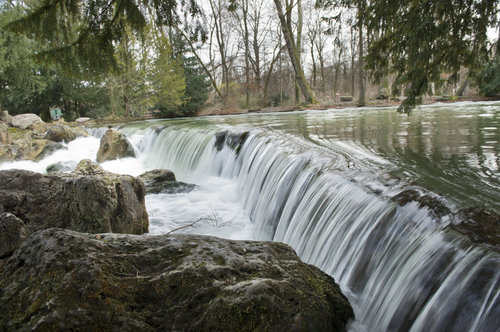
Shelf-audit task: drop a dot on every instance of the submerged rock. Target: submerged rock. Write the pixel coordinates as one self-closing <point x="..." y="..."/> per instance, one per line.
<point x="81" y="201"/>
<point x="163" y="181"/>
<point x="234" y="141"/>
<point x="114" y="145"/>
<point x="435" y="204"/>
<point x="479" y="225"/>
<point x="64" y="280"/>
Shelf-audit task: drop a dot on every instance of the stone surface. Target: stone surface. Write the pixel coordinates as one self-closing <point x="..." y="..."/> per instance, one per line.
<point x="12" y="233"/>
<point x="163" y="181"/>
<point x="61" y="133"/>
<point x="114" y="145"/>
<point x="25" y="121"/>
<point x="64" y="280"/>
<point x="232" y="140"/>
<point x="5" y="117"/>
<point x="88" y="200"/>
<point x="429" y="200"/>
<point x="479" y="225"/>
<point x="82" y="120"/>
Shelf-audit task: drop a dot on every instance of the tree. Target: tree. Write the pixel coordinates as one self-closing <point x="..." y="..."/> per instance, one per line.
<point x="285" y="23"/>
<point x="420" y="39"/>
<point x="83" y="34"/>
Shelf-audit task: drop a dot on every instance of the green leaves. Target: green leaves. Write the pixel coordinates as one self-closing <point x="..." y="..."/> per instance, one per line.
<point x="420" y="39"/>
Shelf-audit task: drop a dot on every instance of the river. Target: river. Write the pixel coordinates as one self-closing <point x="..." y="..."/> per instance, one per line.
<point x="326" y="183"/>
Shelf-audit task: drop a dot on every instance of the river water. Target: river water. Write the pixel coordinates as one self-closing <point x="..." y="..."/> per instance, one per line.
<point x="325" y="182"/>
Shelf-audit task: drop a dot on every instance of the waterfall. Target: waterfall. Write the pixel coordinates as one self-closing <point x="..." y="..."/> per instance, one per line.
<point x="401" y="268"/>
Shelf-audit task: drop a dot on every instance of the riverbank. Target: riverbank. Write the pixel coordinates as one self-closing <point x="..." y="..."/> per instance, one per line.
<point x="342" y="105"/>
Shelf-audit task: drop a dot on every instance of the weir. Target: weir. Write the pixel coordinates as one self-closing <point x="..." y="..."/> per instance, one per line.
<point x="402" y="268"/>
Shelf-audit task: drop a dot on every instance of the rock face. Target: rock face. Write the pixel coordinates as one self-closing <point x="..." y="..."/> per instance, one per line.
<point x="25" y="121"/>
<point x="26" y="144"/>
<point x="87" y="200"/>
<point x="12" y="233"/>
<point x="114" y="145"/>
<point x="63" y="133"/>
<point x="163" y="181"/>
<point x="64" y="280"/>
<point x="5" y="117"/>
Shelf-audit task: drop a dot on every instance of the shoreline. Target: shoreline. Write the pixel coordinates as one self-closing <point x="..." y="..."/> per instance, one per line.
<point x="373" y="103"/>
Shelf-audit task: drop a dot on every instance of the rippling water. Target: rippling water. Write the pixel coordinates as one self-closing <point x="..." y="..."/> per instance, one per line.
<point x="324" y="182"/>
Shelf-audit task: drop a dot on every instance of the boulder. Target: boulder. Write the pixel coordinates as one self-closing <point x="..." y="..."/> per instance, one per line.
<point x="114" y="145"/>
<point x="60" y="133"/>
<point x="163" y="181"/>
<point x="25" y="121"/>
<point x="82" y="120"/>
<point x="50" y="148"/>
<point x="12" y="233"/>
<point x="87" y="200"/>
<point x="5" y="117"/>
<point x="59" y="167"/>
<point x="64" y="280"/>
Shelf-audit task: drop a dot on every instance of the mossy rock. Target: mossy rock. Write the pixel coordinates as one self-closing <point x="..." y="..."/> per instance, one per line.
<point x="64" y="280"/>
<point x="83" y="201"/>
<point x="114" y="145"/>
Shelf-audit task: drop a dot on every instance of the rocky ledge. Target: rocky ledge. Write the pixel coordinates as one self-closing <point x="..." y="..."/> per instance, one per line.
<point x="64" y="280"/>
<point x="87" y="200"/>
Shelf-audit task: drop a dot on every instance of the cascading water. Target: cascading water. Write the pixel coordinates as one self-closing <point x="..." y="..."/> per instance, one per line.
<point x="402" y="268"/>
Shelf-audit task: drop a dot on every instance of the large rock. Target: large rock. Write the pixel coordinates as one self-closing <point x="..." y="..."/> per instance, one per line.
<point x="12" y="233"/>
<point x="5" y="117"/>
<point x="64" y="133"/>
<point x="64" y="280"/>
<point x="82" y="120"/>
<point x="87" y="200"/>
<point x="25" y="121"/>
<point x="114" y="145"/>
<point x="163" y="181"/>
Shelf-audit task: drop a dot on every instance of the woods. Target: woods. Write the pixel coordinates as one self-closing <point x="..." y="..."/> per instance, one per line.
<point x="130" y="58"/>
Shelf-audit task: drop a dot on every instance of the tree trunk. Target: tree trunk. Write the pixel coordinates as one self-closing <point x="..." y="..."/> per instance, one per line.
<point x="353" y="59"/>
<point x="292" y="51"/>
<point x="126" y="106"/>
<point x="362" y="86"/>
<point x="300" y="23"/>
<point x="247" y="53"/>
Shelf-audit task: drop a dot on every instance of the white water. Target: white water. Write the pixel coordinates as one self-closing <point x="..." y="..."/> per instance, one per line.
<point x="401" y="269"/>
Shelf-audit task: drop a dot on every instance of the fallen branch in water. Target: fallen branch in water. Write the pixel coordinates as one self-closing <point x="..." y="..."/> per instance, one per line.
<point x="213" y="219"/>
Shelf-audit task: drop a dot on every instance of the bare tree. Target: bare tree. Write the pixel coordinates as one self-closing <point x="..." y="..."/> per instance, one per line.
<point x="286" y="24"/>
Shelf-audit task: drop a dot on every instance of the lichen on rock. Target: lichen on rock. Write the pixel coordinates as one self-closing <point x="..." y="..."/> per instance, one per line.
<point x="88" y="200"/>
<point x="64" y="280"/>
<point x="114" y="145"/>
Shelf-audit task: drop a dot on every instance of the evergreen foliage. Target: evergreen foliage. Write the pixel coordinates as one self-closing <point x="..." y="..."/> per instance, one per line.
<point x="418" y="40"/>
<point x="489" y="79"/>
<point x="81" y="34"/>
